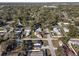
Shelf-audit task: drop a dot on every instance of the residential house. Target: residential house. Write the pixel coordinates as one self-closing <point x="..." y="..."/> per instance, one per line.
<point x="38" y="44"/>
<point x="56" y="31"/>
<point x="27" y="31"/>
<point x="64" y="26"/>
<point x="38" y="32"/>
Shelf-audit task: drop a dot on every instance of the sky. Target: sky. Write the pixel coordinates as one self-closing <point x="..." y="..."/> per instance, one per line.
<point x="39" y="0"/>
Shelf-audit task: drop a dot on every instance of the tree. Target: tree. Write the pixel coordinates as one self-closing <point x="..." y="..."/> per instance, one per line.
<point x="59" y="51"/>
<point x="72" y="31"/>
<point x="64" y="39"/>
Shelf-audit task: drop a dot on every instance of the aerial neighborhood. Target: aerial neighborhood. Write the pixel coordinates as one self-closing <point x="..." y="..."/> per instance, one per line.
<point x="39" y="30"/>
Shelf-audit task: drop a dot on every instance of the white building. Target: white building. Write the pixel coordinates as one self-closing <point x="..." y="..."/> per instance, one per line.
<point x="37" y="32"/>
<point x="27" y="31"/>
<point x="57" y="30"/>
<point x="64" y="25"/>
<point x="65" y="29"/>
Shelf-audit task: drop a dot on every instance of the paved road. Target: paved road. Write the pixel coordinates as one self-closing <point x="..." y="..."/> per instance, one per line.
<point x="52" y="49"/>
<point x="54" y="38"/>
<point x="0" y="50"/>
<point x="75" y="42"/>
<point x="72" y="48"/>
<point x="37" y="53"/>
<point x="49" y="39"/>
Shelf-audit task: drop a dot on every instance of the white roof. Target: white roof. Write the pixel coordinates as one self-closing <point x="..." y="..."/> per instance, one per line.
<point x="66" y="29"/>
<point x="37" y="44"/>
<point x="74" y="38"/>
<point x="64" y="23"/>
<point x="38" y="30"/>
<point x="27" y="30"/>
<point x="17" y="31"/>
<point x="56" y="30"/>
